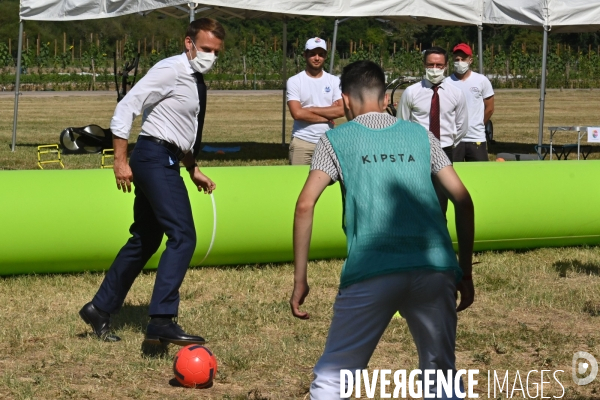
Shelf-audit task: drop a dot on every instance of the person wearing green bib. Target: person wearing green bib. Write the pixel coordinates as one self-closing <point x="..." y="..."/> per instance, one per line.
<point x="400" y="255"/>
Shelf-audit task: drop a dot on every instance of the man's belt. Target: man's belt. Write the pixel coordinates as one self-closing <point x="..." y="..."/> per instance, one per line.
<point x="168" y="145"/>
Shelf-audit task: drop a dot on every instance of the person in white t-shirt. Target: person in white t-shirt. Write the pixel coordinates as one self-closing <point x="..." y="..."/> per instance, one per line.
<point x="479" y="94"/>
<point x="314" y="100"/>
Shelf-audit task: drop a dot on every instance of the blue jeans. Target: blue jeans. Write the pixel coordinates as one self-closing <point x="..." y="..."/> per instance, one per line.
<point x="362" y="311"/>
<point x="161" y="206"/>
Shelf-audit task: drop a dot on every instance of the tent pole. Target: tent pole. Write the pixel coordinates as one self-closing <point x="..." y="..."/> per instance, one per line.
<point x="480" y="47"/>
<point x="333" y="43"/>
<point x="543" y="85"/>
<point x="332" y="52"/>
<point x="284" y="78"/>
<point x="17" y="86"/>
<point x="192" y="7"/>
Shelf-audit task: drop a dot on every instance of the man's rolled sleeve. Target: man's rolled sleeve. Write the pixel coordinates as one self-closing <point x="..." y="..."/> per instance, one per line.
<point x="151" y="89"/>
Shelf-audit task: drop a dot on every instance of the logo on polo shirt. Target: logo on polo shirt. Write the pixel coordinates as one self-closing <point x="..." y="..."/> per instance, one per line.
<point x="327" y="89"/>
<point x="475" y="90"/>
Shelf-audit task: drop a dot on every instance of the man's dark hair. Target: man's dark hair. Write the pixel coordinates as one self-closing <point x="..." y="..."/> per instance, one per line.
<point x="205" y="24"/>
<point x="435" y="50"/>
<point x="363" y="77"/>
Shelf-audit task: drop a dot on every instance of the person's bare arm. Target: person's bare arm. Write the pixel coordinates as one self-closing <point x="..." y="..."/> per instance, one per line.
<point x="303" y="221"/>
<point x="336" y="110"/>
<point x="121" y="168"/>
<point x="302" y="114"/>
<point x="465" y="230"/>
<point x="488" y="110"/>
<point x="202" y="182"/>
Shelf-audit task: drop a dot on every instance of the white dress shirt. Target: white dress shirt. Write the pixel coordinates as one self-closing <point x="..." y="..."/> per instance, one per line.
<point x="415" y="105"/>
<point x="168" y="97"/>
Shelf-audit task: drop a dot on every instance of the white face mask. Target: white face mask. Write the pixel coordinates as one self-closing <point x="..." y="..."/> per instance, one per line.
<point x="434" y="75"/>
<point x="461" y="67"/>
<point x="203" y="62"/>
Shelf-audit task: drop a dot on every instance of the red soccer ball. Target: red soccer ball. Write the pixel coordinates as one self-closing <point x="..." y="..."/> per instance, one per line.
<point x="195" y="366"/>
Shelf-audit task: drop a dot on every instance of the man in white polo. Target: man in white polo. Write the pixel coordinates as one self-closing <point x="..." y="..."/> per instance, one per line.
<point x="314" y="100"/>
<point x="479" y="95"/>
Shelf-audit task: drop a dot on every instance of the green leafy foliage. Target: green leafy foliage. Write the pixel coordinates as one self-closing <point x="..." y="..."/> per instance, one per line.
<point x="516" y="61"/>
<point x="5" y="57"/>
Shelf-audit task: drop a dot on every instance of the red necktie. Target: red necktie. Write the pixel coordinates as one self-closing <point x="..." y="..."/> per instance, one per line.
<point x="434" y="113"/>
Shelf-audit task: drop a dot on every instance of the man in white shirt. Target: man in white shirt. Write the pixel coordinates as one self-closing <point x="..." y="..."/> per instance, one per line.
<point x="438" y="106"/>
<point x="168" y="96"/>
<point x="314" y="100"/>
<point x="479" y="95"/>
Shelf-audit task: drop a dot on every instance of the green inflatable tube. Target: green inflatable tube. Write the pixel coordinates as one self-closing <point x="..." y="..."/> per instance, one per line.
<point x="76" y="220"/>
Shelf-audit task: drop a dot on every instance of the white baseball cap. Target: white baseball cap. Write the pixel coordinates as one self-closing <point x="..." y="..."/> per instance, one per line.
<point x="313" y="43"/>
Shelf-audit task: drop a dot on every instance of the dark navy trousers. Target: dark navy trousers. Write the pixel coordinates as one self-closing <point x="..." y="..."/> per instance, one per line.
<point x="161" y="206"/>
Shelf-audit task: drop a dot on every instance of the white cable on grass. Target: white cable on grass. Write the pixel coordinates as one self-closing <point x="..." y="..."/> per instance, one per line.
<point x="214" y="233"/>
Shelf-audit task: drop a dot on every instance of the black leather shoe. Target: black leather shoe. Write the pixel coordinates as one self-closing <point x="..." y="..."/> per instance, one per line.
<point x="170" y="333"/>
<point x="99" y="323"/>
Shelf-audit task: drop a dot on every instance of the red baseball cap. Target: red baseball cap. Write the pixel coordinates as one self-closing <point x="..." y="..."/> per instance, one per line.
<point x="465" y="48"/>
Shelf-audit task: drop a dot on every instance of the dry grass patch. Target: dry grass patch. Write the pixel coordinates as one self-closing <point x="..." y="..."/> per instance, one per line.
<point x="528" y="315"/>
<point x="254" y="123"/>
<point x="533" y="309"/>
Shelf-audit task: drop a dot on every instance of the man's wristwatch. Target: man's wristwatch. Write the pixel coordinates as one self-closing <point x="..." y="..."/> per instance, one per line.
<point x="191" y="167"/>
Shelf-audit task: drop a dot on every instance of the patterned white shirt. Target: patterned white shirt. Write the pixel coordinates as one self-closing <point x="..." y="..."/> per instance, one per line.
<point x="324" y="158"/>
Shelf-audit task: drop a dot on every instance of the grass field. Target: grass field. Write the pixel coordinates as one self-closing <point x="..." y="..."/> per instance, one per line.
<point x="533" y="308"/>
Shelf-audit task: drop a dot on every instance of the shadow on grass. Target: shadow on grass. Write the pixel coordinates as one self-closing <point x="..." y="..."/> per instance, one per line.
<point x="175" y="383"/>
<point x="130" y="147"/>
<point x="592" y="308"/>
<point x="562" y="267"/>
<point x="510" y="147"/>
<point x="243" y="267"/>
<point x="527" y="148"/>
<point x="132" y="316"/>
<point x="154" y="350"/>
<point x="249" y="151"/>
<point x="30" y="144"/>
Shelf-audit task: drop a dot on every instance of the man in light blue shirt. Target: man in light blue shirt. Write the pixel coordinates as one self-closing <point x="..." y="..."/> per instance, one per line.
<point x="168" y="96"/>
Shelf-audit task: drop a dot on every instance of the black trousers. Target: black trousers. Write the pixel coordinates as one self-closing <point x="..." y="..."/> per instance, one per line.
<point x="471" y="151"/>
<point x="438" y="190"/>
<point x="161" y="206"/>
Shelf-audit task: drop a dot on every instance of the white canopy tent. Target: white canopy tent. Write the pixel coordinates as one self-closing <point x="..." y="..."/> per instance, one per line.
<point x="555" y="15"/>
<point x="558" y="15"/>
<point x="431" y="12"/>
